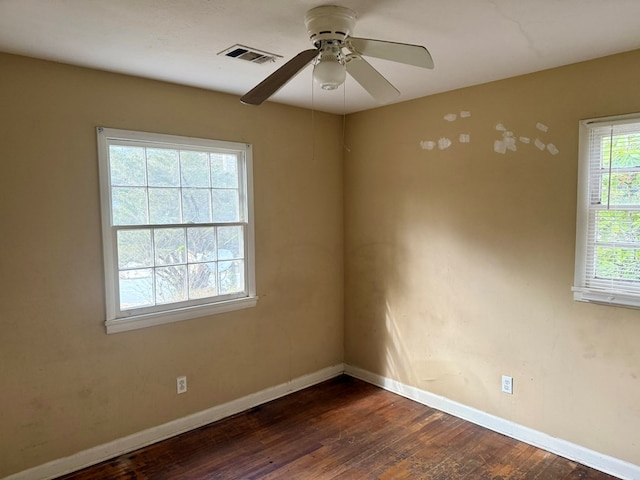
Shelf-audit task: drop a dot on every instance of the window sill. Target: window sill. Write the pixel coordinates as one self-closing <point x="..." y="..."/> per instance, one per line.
<point x="613" y="299"/>
<point x="149" y="320"/>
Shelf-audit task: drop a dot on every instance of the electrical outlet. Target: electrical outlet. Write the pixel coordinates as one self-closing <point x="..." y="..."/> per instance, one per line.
<point x="181" y="384"/>
<point x="507" y="384"/>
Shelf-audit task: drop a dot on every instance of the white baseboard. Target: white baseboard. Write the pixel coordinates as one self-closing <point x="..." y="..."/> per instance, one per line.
<point x="590" y="458"/>
<point x="92" y="456"/>
<point x="138" y="440"/>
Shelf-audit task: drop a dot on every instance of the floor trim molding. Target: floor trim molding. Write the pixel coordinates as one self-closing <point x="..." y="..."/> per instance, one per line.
<point x="147" y="437"/>
<point x="590" y="458"/>
<point x="92" y="456"/>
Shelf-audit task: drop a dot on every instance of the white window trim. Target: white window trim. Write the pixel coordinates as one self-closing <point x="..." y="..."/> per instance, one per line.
<point x="114" y="324"/>
<point x="581" y="292"/>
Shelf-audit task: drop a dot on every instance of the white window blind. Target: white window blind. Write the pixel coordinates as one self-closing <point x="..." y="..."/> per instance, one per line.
<point x="608" y="220"/>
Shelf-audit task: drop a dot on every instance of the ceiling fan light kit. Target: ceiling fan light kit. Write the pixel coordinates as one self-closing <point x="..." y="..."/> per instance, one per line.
<point x="329" y="28"/>
<point x="330" y="71"/>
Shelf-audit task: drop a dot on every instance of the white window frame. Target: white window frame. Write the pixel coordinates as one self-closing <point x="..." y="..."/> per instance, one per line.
<point x="588" y="288"/>
<point x="119" y="321"/>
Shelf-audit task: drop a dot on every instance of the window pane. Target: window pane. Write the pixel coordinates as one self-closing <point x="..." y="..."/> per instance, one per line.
<point x="194" y="167"/>
<point x="136" y="288"/>
<point x="201" y="244"/>
<point x="226" y="206"/>
<point x="231" y="277"/>
<point x="127" y="166"/>
<point x="625" y="150"/>
<point x="129" y="206"/>
<point x="230" y="243"/>
<point x="170" y="246"/>
<point x="224" y="170"/>
<point x="196" y="205"/>
<point x="164" y="205"/>
<point x="171" y="284"/>
<point x="625" y="188"/>
<point x="202" y="280"/>
<point x="618" y="226"/>
<point x="618" y="263"/>
<point x="163" y="167"/>
<point x="134" y="249"/>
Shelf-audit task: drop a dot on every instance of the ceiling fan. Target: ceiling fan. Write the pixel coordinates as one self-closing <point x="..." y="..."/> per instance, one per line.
<point x="337" y="53"/>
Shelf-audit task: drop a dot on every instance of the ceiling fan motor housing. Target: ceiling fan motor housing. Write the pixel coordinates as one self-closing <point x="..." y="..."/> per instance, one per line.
<point x="329" y="22"/>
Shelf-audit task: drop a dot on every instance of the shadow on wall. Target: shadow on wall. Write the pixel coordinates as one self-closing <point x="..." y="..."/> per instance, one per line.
<point x="426" y="301"/>
<point x="374" y="340"/>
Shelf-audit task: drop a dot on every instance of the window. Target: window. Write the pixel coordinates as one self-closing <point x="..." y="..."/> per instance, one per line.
<point x="608" y="220"/>
<point x="177" y="227"/>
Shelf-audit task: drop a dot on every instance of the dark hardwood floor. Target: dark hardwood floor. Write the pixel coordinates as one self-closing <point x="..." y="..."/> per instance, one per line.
<point x="340" y="429"/>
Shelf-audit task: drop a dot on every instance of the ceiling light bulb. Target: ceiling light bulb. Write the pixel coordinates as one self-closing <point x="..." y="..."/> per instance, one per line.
<point x="329" y="72"/>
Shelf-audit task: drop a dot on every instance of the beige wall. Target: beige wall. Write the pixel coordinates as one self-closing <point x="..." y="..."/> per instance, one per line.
<point x="66" y="385"/>
<point x="459" y="262"/>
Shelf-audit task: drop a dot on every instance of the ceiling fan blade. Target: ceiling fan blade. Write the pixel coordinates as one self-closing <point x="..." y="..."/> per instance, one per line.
<point x="370" y="79"/>
<point x="396" y="52"/>
<point x="279" y="78"/>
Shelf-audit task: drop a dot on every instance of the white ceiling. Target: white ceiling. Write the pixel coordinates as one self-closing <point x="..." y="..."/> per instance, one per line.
<point x="471" y="41"/>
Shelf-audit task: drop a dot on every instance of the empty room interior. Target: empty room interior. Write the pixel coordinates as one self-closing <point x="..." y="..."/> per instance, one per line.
<point x="416" y="228"/>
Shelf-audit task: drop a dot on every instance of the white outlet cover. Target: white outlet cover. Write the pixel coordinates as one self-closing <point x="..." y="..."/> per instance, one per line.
<point x="181" y="384"/>
<point x="507" y="384"/>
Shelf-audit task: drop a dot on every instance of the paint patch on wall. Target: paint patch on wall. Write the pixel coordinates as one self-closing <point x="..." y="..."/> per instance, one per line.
<point x="451" y="117"/>
<point x="508" y="142"/>
<point x="427" y="145"/>
<point x="444" y="143"/>
<point x="499" y="147"/>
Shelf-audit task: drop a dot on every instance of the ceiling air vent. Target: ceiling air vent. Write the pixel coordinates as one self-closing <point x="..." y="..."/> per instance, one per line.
<point x="249" y="54"/>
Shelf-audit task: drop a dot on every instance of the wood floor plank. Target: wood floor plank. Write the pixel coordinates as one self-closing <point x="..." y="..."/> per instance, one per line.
<point x="341" y="429"/>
